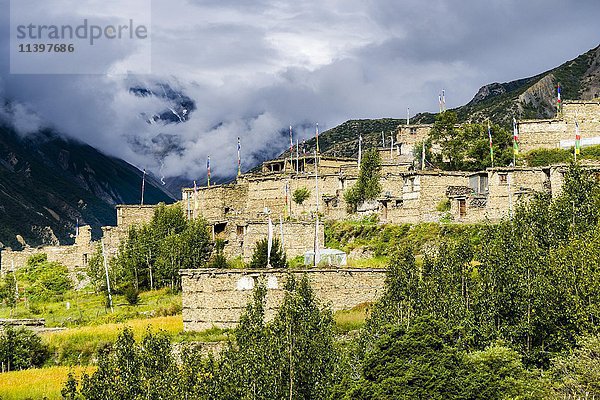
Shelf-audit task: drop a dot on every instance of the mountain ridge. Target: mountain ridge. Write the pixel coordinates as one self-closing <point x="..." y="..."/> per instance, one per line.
<point x="49" y="184"/>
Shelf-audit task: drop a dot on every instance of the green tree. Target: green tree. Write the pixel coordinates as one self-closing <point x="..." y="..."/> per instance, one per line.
<point x="466" y="147"/>
<point x="418" y="362"/>
<point x="292" y="357"/>
<point x="577" y="375"/>
<point x="367" y="186"/>
<point x="300" y="195"/>
<point x="130" y="370"/>
<point x="44" y="279"/>
<point x="21" y="349"/>
<point x="219" y="260"/>
<point x="153" y="253"/>
<point x="259" y="256"/>
<point x="8" y="290"/>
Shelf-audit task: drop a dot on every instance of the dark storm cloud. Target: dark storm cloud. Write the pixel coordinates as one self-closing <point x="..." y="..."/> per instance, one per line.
<point x="255" y="67"/>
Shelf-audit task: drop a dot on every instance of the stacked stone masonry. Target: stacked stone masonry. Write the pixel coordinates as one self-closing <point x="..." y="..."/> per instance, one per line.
<point x="219" y="297"/>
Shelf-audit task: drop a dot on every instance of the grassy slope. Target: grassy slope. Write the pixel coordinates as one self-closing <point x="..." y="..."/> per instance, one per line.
<point x="89" y="309"/>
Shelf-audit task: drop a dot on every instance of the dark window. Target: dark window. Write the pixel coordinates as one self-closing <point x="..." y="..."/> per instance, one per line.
<point x="220" y="228"/>
<point x="462" y="207"/>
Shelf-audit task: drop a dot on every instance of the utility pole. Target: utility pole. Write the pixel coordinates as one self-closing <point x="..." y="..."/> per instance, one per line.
<point x="107" y="279"/>
<point x="143" y="186"/>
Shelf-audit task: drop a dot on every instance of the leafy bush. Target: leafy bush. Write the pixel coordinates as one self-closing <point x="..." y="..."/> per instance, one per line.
<point x="219" y="260"/>
<point x="367" y="186"/>
<point x="21" y="349"/>
<point x="132" y="295"/>
<point x="45" y="279"/>
<point x="544" y="157"/>
<point x="300" y="195"/>
<point x="8" y="290"/>
<point x="259" y="257"/>
<point x="443" y="205"/>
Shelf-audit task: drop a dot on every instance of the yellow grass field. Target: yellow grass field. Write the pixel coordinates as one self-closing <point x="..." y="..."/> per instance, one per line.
<point x="79" y="345"/>
<point x="44" y="383"/>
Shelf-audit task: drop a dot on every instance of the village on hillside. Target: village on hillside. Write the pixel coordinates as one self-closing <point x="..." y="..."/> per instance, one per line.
<point x="240" y="213"/>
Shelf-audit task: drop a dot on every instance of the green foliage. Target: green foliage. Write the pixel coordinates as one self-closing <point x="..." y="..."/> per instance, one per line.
<point x="219" y="260"/>
<point x="20" y="349"/>
<point x="130" y="370"/>
<point x="300" y="195"/>
<point x="292" y="357"/>
<point x="443" y="205"/>
<point x="528" y="282"/>
<point x="259" y="257"/>
<point x="577" y="375"/>
<point x="132" y="295"/>
<point x="545" y="157"/>
<point x="367" y="186"/>
<point x="466" y="147"/>
<point x="427" y="359"/>
<point x="95" y="270"/>
<point x="384" y="240"/>
<point x="153" y="253"/>
<point x="8" y="290"/>
<point x="44" y="279"/>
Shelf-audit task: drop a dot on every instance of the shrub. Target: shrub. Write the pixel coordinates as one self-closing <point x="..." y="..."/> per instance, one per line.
<point x="132" y="295"/>
<point x="300" y="195"/>
<point x="367" y="187"/>
<point x="443" y="205"/>
<point x="259" y="257"/>
<point x="45" y="279"/>
<point x="219" y="260"/>
<point x="21" y="349"/>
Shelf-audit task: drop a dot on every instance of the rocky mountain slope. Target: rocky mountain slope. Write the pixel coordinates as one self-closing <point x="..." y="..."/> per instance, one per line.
<point x="535" y="97"/>
<point x="48" y="183"/>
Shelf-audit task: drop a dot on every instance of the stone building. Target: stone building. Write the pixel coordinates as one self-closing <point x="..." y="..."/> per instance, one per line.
<point x="76" y="256"/>
<point x="241" y="236"/>
<point x="559" y="132"/>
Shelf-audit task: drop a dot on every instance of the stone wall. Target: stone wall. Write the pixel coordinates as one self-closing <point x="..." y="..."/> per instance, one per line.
<point x="408" y="136"/>
<point x="241" y="236"/>
<point x="509" y="187"/>
<point x="256" y="197"/>
<point x="219" y="297"/>
<point x="128" y="215"/>
<point x="548" y="133"/>
<point x="75" y="257"/>
<point x="414" y="197"/>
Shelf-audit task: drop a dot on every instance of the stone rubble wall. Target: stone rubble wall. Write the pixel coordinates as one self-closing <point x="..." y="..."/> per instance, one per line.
<point x="242" y="236"/>
<point x="219" y="297"/>
<point x="75" y="257"/>
<point x="128" y="215"/>
<point x="548" y="133"/>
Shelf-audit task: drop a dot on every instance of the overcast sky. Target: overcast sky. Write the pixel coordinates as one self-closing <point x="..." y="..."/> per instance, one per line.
<point x="255" y="67"/>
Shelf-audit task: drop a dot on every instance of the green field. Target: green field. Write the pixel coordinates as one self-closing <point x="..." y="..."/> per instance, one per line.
<point x="78" y="308"/>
